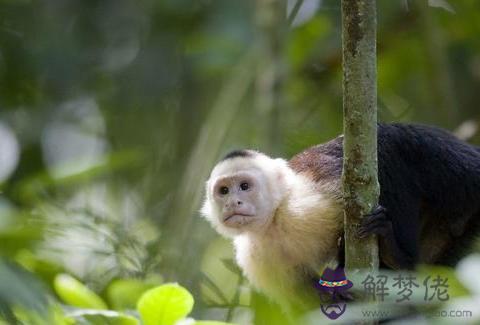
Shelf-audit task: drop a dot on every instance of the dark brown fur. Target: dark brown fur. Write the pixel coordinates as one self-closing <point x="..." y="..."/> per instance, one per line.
<point x="430" y="186"/>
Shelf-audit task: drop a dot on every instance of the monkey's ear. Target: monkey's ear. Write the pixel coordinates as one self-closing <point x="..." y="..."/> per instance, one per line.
<point x="281" y="163"/>
<point x="281" y="167"/>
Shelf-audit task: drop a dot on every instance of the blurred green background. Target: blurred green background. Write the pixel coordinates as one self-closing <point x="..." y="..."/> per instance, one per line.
<point x="113" y="112"/>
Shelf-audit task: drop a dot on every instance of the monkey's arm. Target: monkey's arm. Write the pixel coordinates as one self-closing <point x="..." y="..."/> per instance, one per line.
<point x="392" y="253"/>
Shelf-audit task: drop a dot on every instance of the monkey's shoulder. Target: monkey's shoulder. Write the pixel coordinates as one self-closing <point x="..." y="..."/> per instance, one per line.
<point x="400" y="147"/>
<point x="323" y="161"/>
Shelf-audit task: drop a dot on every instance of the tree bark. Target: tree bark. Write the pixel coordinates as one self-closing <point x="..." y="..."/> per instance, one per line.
<point x="360" y="176"/>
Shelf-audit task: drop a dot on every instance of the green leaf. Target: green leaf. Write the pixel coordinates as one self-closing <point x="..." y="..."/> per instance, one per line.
<point x="75" y="293"/>
<point x="18" y="238"/>
<point x="124" y="293"/>
<point x="210" y="322"/>
<point x="20" y="288"/>
<point x="164" y="305"/>
<point x="455" y="289"/>
<point x="102" y="317"/>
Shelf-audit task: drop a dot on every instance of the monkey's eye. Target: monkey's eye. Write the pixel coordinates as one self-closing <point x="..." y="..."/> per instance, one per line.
<point x="244" y="186"/>
<point x="223" y="190"/>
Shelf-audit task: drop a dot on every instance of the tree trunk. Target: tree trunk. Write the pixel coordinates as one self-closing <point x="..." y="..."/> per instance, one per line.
<point x="360" y="177"/>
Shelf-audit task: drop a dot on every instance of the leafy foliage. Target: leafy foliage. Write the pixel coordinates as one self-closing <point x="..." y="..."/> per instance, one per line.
<point x="76" y="294"/>
<point x="113" y="111"/>
<point x="165" y="305"/>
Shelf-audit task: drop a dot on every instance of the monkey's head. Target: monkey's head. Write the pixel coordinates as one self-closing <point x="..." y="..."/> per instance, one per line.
<point x="244" y="191"/>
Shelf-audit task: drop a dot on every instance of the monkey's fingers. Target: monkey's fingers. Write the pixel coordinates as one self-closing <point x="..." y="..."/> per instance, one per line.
<point x="375" y="223"/>
<point x="377" y="210"/>
<point x="381" y="230"/>
<point x="379" y="215"/>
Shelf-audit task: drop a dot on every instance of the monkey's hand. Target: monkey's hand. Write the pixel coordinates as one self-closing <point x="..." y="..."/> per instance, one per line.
<point x="376" y="223"/>
<point x="379" y="223"/>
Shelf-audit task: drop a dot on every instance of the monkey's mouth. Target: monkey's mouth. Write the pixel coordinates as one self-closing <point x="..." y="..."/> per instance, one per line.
<point x="237" y="218"/>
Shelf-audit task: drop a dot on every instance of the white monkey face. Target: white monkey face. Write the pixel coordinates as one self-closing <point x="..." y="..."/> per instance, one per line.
<point x="239" y="197"/>
<point x="242" y="196"/>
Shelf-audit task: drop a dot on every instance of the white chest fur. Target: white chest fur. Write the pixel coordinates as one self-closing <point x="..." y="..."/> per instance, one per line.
<point x="301" y="239"/>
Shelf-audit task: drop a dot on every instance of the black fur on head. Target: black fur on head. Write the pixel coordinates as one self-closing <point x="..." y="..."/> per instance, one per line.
<point x="238" y="153"/>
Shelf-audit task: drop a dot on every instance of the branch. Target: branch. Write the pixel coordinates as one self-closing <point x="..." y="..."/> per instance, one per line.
<point x="360" y="179"/>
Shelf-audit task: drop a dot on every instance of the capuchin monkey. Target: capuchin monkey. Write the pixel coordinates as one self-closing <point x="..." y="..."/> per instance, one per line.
<point x="286" y="217"/>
